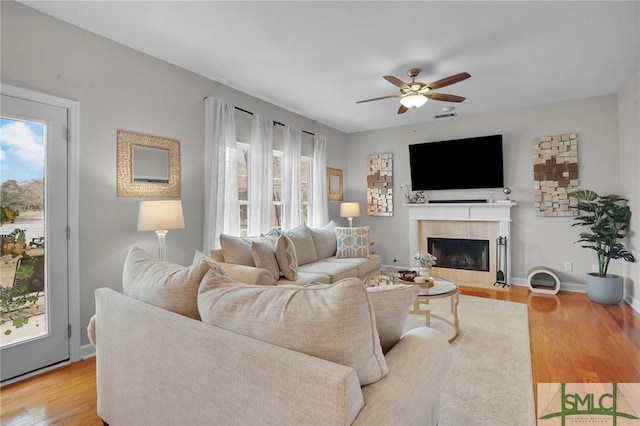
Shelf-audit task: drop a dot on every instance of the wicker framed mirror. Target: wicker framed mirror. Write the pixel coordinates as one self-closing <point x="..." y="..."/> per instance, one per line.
<point x="148" y="166"/>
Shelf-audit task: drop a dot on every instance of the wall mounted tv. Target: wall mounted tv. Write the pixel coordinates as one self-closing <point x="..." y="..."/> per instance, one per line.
<point x="457" y="164"/>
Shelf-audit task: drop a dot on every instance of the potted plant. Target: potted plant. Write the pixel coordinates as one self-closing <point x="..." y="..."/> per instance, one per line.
<point x="424" y="260"/>
<point x="607" y="219"/>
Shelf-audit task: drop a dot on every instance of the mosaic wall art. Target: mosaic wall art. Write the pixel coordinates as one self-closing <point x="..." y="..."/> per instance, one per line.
<point x="555" y="174"/>
<point x="380" y="185"/>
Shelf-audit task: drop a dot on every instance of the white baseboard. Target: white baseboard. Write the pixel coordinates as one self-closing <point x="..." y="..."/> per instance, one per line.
<point x="88" y="351"/>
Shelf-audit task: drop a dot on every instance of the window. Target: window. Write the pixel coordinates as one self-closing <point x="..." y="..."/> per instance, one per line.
<point x="242" y="158"/>
<point x="305" y="187"/>
<point x="278" y="205"/>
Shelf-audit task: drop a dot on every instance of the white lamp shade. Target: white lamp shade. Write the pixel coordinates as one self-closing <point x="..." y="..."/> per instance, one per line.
<point x="160" y="215"/>
<point x="350" y="210"/>
<point x="413" y="101"/>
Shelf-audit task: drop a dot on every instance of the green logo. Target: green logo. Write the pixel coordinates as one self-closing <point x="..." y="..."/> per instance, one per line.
<point x="585" y="404"/>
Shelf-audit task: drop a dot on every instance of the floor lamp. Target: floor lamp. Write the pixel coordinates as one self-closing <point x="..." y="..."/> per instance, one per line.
<point x="160" y="216"/>
<point x="350" y="210"/>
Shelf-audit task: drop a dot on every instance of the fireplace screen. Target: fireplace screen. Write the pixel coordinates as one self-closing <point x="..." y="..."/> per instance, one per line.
<point x="455" y="253"/>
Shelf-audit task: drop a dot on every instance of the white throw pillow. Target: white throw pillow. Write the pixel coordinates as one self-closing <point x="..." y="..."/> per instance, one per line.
<point x="236" y="250"/>
<point x="324" y="240"/>
<point x="303" y="242"/>
<point x="286" y="257"/>
<point x="164" y="284"/>
<point x="352" y="242"/>
<point x="392" y="304"/>
<point x="334" y="322"/>
<point x="264" y="256"/>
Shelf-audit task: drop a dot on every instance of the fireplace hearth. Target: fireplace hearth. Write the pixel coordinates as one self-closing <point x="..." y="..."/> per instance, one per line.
<point x="460" y="253"/>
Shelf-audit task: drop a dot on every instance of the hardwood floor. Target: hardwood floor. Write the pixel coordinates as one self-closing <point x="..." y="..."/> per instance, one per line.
<point x="573" y="340"/>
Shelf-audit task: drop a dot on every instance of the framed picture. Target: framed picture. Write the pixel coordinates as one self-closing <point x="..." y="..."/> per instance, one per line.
<point x="334" y="184"/>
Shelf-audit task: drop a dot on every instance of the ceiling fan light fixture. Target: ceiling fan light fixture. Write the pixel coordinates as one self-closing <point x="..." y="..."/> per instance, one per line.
<point x="413" y="101"/>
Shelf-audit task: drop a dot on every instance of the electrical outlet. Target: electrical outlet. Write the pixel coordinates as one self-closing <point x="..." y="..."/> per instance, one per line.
<point x="568" y="266"/>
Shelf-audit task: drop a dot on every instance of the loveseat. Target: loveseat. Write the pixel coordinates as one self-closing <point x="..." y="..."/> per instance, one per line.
<point x="158" y="363"/>
<point x="325" y="254"/>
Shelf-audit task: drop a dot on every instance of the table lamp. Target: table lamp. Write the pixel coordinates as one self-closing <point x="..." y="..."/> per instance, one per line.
<point x="160" y="216"/>
<point x="350" y="210"/>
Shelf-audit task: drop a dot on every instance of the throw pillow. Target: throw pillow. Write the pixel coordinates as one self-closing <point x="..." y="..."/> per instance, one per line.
<point x="272" y="235"/>
<point x="201" y="257"/>
<point x="286" y="257"/>
<point x="392" y="304"/>
<point x="303" y="242"/>
<point x="334" y="322"/>
<point x="264" y="257"/>
<point x="352" y="242"/>
<point x="162" y="283"/>
<point x="236" y="250"/>
<point x="324" y="240"/>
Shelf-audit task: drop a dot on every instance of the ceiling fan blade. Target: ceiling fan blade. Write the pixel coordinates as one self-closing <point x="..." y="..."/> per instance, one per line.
<point x="444" y="97"/>
<point x="402" y="109"/>
<point x="449" y="80"/>
<point x="377" y="99"/>
<point x="396" y="82"/>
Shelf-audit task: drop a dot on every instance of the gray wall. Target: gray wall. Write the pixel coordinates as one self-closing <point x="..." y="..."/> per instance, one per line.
<point x="120" y="88"/>
<point x="629" y="119"/>
<point x="536" y="240"/>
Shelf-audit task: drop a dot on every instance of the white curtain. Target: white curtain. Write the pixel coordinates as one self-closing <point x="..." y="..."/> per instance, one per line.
<point x="291" y="177"/>
<point x="221" y="213"/>
<point x="319" y="205"/>
<point x="260" y="175"/>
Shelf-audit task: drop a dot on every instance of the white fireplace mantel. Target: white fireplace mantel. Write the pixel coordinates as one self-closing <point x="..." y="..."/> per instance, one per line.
<point x="466" y="212"/>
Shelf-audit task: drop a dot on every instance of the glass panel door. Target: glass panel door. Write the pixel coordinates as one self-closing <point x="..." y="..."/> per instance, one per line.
<point x="34" y="301"/>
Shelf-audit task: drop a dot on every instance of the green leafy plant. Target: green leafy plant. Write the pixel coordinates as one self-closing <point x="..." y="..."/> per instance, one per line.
<point x="607" y="217"/>
<point x="11" y="300"/>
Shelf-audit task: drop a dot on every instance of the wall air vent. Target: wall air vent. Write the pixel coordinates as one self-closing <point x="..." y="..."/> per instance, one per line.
<point x="446" y="115"/>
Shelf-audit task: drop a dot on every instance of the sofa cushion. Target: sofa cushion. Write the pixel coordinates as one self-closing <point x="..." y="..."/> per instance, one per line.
<point x="333" y="322"/>
<point x="303" y="242"/>
<point x="392" y="304"/>
<point x="324" y="240"/>
<point x="165" y="284"/>
<point x="264" y="256"/>
<point x="286" y="257"/>
<point x="304" y="278"/>
<point x="366" y="266"/>
<point x="352" y="242"/>
<point x="336" y="271"/>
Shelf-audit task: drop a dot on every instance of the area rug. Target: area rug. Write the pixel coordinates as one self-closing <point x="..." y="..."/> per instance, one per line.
<point x="490" y="381"/>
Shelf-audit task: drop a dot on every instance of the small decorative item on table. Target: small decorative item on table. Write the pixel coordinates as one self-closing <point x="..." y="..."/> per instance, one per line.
<point x="424" y="261"/>
<point x="424" y="282"/>
<point x="407" y="275"/>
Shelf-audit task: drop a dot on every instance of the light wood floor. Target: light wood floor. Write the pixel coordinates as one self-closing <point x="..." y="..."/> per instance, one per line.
<point x="572" y="339"/>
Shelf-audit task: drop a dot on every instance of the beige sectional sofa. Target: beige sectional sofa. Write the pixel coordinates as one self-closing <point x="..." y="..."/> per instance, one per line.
<point x="318" y="252"/>
<point x="190" y="346"/>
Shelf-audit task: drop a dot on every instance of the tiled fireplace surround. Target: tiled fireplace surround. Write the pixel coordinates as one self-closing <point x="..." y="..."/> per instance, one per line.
<point x="485" y="221"/>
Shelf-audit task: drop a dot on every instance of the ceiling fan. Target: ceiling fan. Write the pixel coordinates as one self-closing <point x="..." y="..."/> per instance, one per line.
<point x="415" y="94"/>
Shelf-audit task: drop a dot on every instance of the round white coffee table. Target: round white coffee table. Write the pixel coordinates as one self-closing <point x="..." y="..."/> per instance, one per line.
<point x="440" y="290"/>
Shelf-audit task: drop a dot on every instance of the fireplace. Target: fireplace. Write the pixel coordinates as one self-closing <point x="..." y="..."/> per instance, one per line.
<point x="472" y="221"/>
<point x="460" y="253"/>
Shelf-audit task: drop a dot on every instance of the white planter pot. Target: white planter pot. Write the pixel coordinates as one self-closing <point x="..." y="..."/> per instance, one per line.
<point x="608" y="290"/>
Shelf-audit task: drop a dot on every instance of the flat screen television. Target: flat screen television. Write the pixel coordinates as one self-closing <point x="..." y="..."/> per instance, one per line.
<point x="457" y="164"/>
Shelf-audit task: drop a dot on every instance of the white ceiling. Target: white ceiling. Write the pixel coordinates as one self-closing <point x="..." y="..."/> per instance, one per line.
<point x="318" y="58"/>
